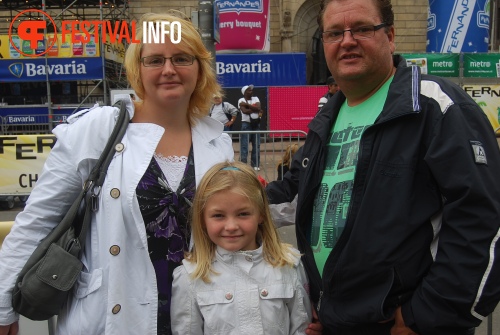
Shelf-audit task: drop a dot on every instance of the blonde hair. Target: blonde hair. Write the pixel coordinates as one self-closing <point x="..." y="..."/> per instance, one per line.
<point x="286" y="160"/>
<point x="190" y="43"/>
<point x="237" y="177"/>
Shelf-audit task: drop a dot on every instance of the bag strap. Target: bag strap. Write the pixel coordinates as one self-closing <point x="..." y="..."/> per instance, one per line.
<point x="98" y="173"/>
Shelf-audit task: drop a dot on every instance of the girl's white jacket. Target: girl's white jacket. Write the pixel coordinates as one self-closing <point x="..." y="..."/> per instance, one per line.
<point x="116" y="292"/>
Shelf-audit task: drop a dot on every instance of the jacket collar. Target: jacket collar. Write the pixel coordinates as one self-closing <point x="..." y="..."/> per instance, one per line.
<point x="402" y="99"/>
<point x="207" y="128"/>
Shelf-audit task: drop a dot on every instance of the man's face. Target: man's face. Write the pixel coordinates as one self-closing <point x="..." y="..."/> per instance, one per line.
<point x="357" y="60"/>
<point x="333" y="88"/>
<point x="217" y="100"/>
<point x="248" y="93"/>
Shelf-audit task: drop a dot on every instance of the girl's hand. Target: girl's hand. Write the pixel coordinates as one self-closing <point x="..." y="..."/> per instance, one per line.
<point x="12" y="329"/>
<point x="399" y="327"/>
<point x="314" y="328"/>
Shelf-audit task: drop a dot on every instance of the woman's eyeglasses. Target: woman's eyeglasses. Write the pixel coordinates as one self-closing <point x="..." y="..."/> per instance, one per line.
<point x="159" y="61"/>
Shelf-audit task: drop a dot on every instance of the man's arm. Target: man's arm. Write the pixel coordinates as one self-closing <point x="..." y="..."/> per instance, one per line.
<point x="461" y="287"/>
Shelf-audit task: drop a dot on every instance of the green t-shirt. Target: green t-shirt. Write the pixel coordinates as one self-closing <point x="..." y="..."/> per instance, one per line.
<point x="334" y="195"/>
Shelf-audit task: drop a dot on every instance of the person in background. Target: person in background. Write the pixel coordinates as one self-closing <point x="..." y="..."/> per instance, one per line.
<point x="239" y="278"/>
<point x="333" y="88"/>
<point x="286" y="161"/>
<point x="398" y="210"/>
<point x="140" y="232"/>
<point x="223" y="112"/>
<point x="251" y="113"/>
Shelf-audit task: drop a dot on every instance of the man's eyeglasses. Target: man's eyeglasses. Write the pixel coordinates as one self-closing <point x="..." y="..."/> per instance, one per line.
<point x="159" y="61"/>
<point x="359" y="33"/>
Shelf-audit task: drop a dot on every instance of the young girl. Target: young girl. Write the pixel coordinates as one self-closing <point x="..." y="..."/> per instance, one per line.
<point x="238" y="278"/>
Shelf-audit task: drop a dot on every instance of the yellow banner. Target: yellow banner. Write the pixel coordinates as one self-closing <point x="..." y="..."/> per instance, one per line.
<point x="487" y="97"/>
<point x="22" y="158"/>
<point x="61" y="48"/>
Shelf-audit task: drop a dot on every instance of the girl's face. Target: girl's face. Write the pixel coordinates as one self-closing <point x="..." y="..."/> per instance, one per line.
<point x="168" y="83"/>
<point x="232" y="221"/>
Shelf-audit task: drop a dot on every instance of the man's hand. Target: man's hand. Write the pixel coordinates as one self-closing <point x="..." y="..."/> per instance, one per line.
<point x="314" y="328"/>
<point x="12" y="329"/>
<point x="399" y="327"/>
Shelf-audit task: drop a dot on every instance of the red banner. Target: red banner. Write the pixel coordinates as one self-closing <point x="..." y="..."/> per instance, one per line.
<point x="244" y="26"/>
<point x="292" y="108"/>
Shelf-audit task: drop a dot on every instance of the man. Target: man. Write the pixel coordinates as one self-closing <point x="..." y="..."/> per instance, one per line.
<point x="398" y="210"/>
<point x="333" y="88"/>
<point x="251" y="114"/>
<point x="223" y="112"/>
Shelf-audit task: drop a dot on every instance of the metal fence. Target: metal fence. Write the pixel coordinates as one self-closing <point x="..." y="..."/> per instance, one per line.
<point x="273" y="144"/>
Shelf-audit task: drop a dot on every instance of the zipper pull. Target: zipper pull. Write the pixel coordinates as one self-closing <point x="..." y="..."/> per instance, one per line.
<point x="319" y="301"/>
<point x="94" y="199"/>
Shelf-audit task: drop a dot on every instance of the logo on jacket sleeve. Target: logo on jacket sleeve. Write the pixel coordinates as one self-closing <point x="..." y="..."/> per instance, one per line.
<point x="479" y="153"/>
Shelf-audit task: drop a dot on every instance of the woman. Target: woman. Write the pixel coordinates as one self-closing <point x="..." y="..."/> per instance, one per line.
<point x="140" y="232"/>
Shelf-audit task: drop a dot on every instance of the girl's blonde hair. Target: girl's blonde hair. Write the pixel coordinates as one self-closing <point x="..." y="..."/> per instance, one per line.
<point x="190" y="43"/>
<point x="286" y="160"/>
<point x="240" y="178"/>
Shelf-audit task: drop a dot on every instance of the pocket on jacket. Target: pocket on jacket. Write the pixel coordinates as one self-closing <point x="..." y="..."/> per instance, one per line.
<point x="275" y="312"/>
<point x="87" y="283"/>
<point x="217" y="305"/>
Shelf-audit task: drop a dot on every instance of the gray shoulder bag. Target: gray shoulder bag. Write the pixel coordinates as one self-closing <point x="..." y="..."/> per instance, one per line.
<point x="45" y="281"/>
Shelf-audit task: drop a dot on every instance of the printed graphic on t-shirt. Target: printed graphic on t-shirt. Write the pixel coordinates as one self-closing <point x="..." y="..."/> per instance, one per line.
<point x="332" y="201"/>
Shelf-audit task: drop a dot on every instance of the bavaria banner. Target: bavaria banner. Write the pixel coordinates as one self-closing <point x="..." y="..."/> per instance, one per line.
<point x="271" y="69"/>
<point x="243" y="26"/>
<point x="58" y="69"/>
<point x="458" y="26"/>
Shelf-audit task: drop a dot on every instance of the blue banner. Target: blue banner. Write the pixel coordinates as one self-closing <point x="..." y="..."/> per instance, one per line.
<point x="458" y="26"/>
<point x="59" y="69"/>
<point x="272" y="69"/>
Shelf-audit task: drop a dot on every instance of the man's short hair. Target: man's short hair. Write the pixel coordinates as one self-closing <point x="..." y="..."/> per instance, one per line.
<point x="330" y="81"/>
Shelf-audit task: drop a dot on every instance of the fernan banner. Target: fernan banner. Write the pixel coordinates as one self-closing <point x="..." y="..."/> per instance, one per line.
<point x="22" y="158"/>
<point x="458" y="26"/>
<point x="443" y="65"/>
<point x="488" y="98"/>
<point x="243" y="26"/>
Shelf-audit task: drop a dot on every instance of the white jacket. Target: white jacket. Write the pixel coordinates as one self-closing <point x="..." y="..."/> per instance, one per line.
<point x="117" y="291"/>
<point x="247" y="297"/>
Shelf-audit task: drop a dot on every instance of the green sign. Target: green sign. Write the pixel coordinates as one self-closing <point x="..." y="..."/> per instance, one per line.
<point x="482" y="65"/>
<point x="443" y="65"/>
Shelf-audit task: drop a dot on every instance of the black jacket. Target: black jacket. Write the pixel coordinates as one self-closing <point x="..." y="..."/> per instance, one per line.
<point x="424" y="217"/>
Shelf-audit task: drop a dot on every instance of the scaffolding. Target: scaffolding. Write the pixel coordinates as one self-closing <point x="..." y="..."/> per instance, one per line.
<point x="74" y="93"/>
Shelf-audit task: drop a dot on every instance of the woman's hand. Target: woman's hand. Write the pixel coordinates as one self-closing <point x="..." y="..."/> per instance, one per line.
<point x="314" y="328"/>
<point x="12" y="329"/>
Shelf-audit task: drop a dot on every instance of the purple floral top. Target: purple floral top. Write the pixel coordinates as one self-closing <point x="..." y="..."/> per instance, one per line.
<point x="165" y="214"/>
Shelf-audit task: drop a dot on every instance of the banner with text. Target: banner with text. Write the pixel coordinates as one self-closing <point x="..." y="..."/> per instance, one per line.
<point x="444" y="65"/>
<point x="24" y="70"/>
<point x="243" y="26"/>
<point x="22" y="158"/>
<point x="272" y="69"/>
<point x="292" y="108"/>
<point x="488" y="98"/>
<point x="458" y="26"/>
<point x="61" y="48"/>
<point x="481" y="65"/>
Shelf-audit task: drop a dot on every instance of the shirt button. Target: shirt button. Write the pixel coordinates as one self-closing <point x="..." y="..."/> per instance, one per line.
<point x="229" y="296"/>
<point x="114" y="250"/>
<point x="119" y="147"/>
<point x="115" y="193"/>
<point x="264" y="293"/>
<point x="116" y="309"/>
<point x="248" y="258"/>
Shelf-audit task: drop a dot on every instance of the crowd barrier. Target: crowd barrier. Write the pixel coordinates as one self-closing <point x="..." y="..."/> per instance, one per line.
<point x="29" y="124"/>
